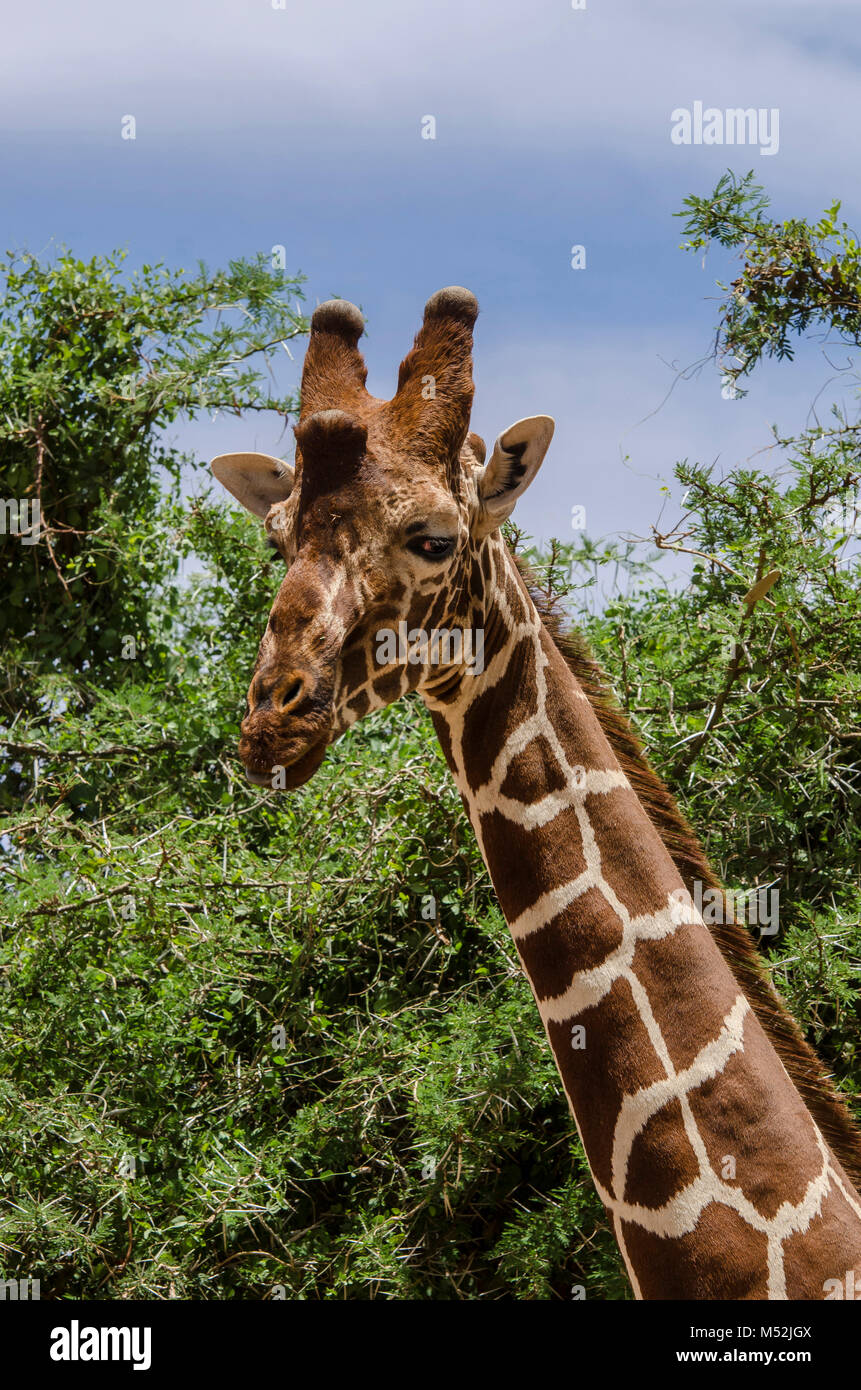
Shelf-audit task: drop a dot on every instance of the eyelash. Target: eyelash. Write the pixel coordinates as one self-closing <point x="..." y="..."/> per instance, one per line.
<point x="446" y="542"/>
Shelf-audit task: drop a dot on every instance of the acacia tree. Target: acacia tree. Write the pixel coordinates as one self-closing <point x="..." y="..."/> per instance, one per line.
<point x="794" y="277"/>
<point x="93" y="365"/>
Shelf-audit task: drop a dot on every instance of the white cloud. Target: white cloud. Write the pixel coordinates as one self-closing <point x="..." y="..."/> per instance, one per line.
<point x="499" y="78"/>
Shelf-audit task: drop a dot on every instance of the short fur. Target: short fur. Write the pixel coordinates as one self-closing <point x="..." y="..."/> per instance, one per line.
<point x="801" y="1062"/>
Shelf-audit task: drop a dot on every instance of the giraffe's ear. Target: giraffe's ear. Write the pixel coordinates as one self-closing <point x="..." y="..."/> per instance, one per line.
<point x="517" y="456"/>
<point x="256" y="480"/>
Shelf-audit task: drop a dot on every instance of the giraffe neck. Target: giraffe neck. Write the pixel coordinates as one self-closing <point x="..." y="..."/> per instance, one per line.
<point x="715" y="1176"/>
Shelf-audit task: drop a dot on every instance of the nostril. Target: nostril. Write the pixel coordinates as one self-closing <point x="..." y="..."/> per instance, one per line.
<point x="281" y="695"/>
<point x="290" y="694"/>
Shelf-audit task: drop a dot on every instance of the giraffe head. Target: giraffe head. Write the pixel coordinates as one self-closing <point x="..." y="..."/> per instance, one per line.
<point x="385" y="523"/>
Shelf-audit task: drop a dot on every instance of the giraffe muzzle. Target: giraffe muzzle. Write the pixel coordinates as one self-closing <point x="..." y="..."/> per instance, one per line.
<point x="288" y="726"/>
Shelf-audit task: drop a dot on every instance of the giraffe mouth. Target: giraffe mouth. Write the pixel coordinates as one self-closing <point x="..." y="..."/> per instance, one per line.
<point x="284" y="775"/>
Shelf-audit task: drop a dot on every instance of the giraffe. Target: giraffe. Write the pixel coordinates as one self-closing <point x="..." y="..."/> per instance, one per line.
<point x="728" y="1167"/>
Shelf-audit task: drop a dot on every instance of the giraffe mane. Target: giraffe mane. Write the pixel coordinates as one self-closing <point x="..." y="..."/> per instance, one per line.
<point x="805" y="1068"/>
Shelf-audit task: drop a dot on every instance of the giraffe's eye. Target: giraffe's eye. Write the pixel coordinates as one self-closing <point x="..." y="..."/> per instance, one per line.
<point x="432" y="547"/>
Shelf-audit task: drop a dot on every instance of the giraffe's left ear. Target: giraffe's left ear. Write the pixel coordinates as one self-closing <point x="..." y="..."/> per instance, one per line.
<point x="258" y="481"/>
<point x="517" y="456"/>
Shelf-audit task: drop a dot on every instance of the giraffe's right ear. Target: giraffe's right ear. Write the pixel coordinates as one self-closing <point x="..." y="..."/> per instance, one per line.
<point x="517" y="456"/>
<point x="258" y="481"/>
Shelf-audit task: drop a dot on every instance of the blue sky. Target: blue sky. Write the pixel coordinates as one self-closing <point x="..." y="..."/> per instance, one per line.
<point x="301" y="126"/>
